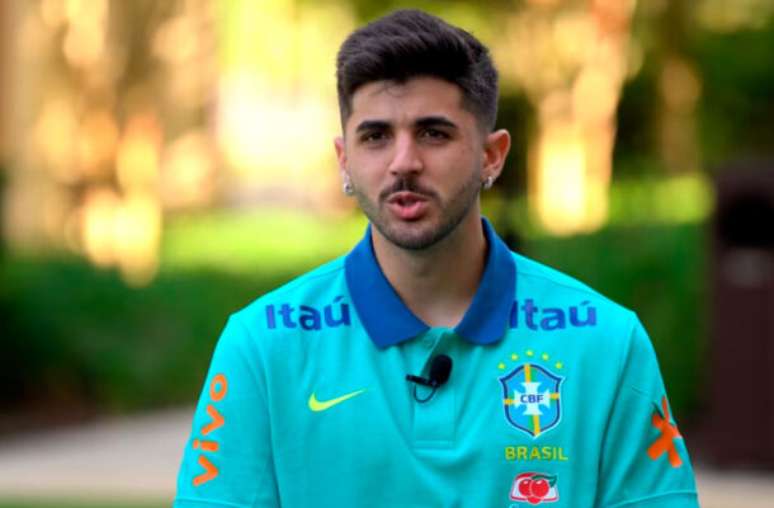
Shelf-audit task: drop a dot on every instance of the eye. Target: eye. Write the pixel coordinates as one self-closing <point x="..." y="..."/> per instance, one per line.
<point x="373" y="137"/>
<point x="434" y="134"/>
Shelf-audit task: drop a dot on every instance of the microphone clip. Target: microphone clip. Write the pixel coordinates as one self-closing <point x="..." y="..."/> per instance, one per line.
<point x="440" y="369"/>
<point x="432" y="383"/>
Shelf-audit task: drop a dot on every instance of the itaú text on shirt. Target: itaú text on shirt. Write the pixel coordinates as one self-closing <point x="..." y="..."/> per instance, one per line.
<point x="526" y="314"/>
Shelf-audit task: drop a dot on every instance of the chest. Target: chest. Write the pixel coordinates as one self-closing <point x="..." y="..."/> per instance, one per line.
<point x="505" y="411"/>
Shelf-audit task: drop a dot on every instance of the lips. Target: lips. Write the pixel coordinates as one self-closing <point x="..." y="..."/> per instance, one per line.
<point x="408" y="206"/>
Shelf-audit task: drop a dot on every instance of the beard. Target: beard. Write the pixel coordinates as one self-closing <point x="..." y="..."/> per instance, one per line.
<point x="426" y="232"/>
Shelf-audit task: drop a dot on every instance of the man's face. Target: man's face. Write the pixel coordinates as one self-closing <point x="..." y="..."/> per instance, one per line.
<point x="414" y="157"/>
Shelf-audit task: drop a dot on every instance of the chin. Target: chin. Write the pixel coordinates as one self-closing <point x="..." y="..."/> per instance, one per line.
<point x="416" y="235"/>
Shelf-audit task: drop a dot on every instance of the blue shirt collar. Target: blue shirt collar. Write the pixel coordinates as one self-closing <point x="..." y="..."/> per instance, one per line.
<point x="388" y="321"/>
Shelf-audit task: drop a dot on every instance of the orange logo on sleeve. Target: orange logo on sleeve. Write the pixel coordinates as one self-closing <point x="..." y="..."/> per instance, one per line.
<point x="218" y="390"/>
<point x="666" y="441"/>
<point x="210" y="471"/>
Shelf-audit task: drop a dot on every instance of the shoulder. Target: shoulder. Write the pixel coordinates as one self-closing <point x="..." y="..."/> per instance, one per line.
<point x="556" y="302"/>
<point x="278" y="331"/>
<point x="300" y="305"/>
<point x="302" y="286"/>
<point x="551" y="302"/>
<point x="546" y="280"/>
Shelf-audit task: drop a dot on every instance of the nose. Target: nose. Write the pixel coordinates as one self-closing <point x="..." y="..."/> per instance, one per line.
<point x="406" y="158"/>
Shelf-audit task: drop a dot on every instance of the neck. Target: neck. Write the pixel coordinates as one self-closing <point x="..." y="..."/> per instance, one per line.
<point x="438" y="283"/>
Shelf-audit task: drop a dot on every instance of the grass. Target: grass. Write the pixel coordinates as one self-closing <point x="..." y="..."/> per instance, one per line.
<point x="260" y="240"/>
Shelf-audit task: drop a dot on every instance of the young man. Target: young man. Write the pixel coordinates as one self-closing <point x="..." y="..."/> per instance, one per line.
<point x="525" y="386"/>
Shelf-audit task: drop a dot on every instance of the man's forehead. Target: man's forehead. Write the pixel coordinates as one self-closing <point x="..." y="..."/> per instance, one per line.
<point x="414" y="98"/>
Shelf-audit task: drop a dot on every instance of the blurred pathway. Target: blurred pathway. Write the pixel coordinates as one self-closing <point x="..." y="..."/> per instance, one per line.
<point x="132" y="458"/>
<point x="138" y="457"/>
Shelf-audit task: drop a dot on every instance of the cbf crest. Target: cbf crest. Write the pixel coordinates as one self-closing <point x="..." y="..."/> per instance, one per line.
<point x="532" y="396"/>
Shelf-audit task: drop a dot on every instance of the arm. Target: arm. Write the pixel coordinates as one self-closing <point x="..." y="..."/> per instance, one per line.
<point x="644" y="459"/>
<point x="228" y="459"/>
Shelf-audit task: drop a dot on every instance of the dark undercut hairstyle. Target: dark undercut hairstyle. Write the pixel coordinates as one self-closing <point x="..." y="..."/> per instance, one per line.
<point x="411" y="43"/>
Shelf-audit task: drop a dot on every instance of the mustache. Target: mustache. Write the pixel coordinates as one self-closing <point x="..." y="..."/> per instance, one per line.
<point x="406" y="184"/>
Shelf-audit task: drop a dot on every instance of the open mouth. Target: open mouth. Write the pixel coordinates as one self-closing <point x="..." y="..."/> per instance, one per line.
<point x="408" y="205"/>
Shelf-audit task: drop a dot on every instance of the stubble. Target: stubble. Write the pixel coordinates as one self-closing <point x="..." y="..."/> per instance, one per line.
<point x="421" y="234"/>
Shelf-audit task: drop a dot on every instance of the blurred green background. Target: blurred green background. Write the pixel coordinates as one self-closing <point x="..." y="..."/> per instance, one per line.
<point x="150" y="198"/>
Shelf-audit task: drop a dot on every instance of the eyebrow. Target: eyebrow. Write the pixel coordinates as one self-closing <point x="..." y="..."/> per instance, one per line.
<point x="368" y="125"/>
<point x="425" y="121"/>
<point x="435" y="121"/>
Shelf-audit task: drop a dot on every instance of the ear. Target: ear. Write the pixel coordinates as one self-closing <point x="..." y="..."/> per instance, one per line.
<point x="341" y="156"/>
<point x="496" y="147"/>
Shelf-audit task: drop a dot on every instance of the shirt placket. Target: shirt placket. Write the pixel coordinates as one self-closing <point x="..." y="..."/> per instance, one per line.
<point x="433" y="425"/>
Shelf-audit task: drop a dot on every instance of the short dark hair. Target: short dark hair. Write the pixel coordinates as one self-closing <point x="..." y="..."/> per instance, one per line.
<point x="411" y="43"/>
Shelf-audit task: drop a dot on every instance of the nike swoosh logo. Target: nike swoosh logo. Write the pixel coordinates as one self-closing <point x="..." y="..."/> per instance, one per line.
<point x="317" y="405"/>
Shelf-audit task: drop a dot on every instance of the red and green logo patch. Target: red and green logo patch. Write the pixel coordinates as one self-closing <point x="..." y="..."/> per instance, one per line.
<point x="535" y="488"/>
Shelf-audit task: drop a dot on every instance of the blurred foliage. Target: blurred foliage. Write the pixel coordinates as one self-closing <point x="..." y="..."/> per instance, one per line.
<point x="636" y="137"/>
<point x="738" y="103"/>
<point x="3" y="177"/>
<point x="76" y="335"/>
<point x="634" y="202"/>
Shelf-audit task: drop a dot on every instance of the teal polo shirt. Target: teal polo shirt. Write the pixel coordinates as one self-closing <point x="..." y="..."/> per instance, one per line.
<point x="554" y="398"/>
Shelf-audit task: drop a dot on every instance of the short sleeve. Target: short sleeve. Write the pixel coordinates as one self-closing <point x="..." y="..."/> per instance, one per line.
<point x="644" y="460"/>
<point x="227" y="459"/>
